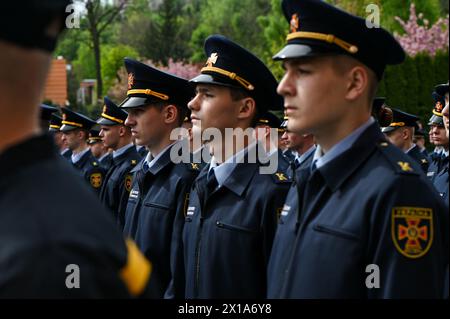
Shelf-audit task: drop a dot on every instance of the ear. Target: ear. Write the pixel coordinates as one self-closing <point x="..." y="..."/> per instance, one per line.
<point x="170" y="114"/>
<point x="82" y="135"/>
<point x="357" y="82"/>
<point x="122" y="131"/>
<point x="247" y="108"/>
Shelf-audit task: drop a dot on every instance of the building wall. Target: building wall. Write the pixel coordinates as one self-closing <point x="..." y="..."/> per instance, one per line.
<point x="56" y="86"/>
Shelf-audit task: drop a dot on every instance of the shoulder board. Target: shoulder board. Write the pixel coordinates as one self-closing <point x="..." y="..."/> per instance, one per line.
<point x="399" y="163"/>
<point x="280" y="178"/>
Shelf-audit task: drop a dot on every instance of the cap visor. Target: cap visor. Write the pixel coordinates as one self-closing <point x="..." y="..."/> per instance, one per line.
<point x="134" y="101"/>
<point x="103" y="121"/>
<point x="209" y="79"/>
<point x="67" y="128"/>
<point x="436" y="120"/>
<point x="388" y="129"/>
<point x="293" y="51"/>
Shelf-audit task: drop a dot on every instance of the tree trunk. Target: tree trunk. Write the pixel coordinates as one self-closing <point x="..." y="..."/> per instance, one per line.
<point x="98" y="67"/>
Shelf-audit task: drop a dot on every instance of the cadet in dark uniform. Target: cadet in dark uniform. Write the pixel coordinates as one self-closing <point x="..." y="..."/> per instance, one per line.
<point x="75" y="128"/>
<point x="401" y="134"/>
<point x="233" y="206"/>
<point x="156" y="104"/>
<point x="439" y="138"/>
<point x="46" y="115"/>
<point x="363" y="202"/>
<point x="302" y="148"/>
<point x="54" y="128"/>
<point x="419" y="140"/>
<point x="440" y="180"/>
<point x="267" y="123"/>
<point x="51" y="227"/>
<point x="99" y="150"/>
<point x="117" y="184"/>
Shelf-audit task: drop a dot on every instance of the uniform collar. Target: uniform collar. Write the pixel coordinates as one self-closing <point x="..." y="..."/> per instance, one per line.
<point x="336" y="171"/>
<point x="412" y="148"/>
<point x="235" y="173"/>
<point x="156" y="164"/>
<point x="76" y="158"/>
<point x="321" y="159"/>
<point x="121" y="150"/>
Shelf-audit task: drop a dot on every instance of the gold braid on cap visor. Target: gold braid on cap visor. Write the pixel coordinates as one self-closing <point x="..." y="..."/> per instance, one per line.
<point x="246" y="84"/>
<point x="149" y="92"/>
<point x="330" y="38"/>
<point x="114" y="119"/>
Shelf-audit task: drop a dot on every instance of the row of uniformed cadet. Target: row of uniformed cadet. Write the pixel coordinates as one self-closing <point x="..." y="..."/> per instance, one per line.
<point x="223" y="229"/>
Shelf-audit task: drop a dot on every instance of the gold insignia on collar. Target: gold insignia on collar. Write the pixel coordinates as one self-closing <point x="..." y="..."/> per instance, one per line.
<point x="195" y="166"/>
<point x="412" y="230"/>
<point x="294" y="23"/>
<point x="384" y="144"/>
<point x="405" y="166"/>
<point x="130" y="81"/>
<point x="212" y="59"/>
<point x="424" y="161"/>
<point x="281" y="177"/>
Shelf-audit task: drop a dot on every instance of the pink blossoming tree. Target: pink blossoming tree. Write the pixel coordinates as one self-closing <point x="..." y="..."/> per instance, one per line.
<point x="420" y="37"/>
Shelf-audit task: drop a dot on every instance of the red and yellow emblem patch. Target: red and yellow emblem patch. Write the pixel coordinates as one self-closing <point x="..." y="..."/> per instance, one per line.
<point x="412" y="230"/>
<point x="439" y="107"/>
<point x="128" y="182"/>
<point x="96" y="180"/>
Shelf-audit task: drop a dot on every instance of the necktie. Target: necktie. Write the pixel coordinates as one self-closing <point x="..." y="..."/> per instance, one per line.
<point x="313" y="166"/>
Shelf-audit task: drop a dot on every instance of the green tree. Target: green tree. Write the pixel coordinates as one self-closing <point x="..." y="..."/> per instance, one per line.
<point x="235" y="19"/>
<point x="275" y="28"/>
<point x="112" y="57"/>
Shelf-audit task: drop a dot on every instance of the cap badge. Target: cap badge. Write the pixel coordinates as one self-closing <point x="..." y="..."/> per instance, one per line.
<point x="294" y="23"/>
<point x="130" y="80"/>
<point x="212" y="59"/>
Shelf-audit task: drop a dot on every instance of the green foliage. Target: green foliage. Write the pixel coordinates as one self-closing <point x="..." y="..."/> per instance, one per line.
<point x="275" y="29"/>
<point x="409" y="86"/>
<point x="235" y="19"/>
<point x="112" y="61"/>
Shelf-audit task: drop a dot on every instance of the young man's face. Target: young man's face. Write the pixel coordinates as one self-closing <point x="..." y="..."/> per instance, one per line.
<point x="147" y="125"/>
<point x="72" y="139"/>
<point x="110" y="135"/>
<point x="313" y="93"/>
<point x="445" y="113"/>
<point x="438" y="136"/>
<point x="213" y="107"/>
<point x="396" y="137"/>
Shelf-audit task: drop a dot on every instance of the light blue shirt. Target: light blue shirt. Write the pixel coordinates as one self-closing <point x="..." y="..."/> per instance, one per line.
<point x="122" y="150"/>
<point x="321" y="159"/>
<point x="76" y="157"/>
